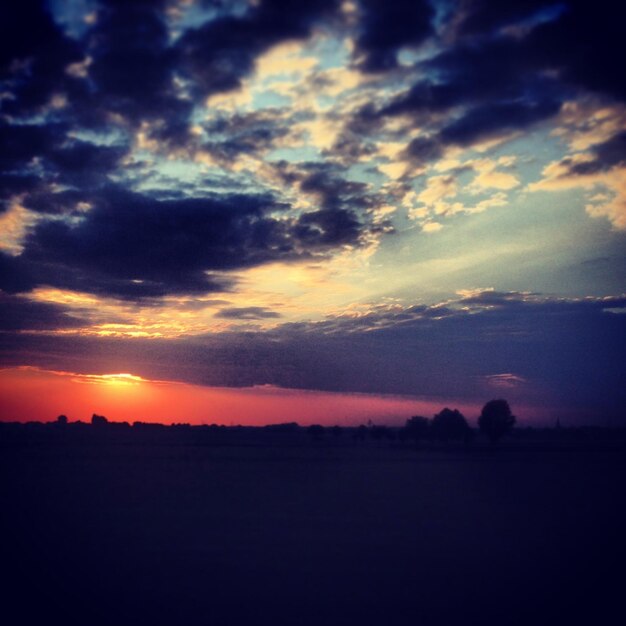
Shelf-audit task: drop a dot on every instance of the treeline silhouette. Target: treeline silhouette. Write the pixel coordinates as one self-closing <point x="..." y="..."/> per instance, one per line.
<point x="448" y="427"/>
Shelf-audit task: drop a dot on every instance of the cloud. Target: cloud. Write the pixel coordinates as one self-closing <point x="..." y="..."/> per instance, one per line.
<point x="504" y="381"/>
<point x="217" y="55"/>
<point x="431" y="227"/>
<point x="133" y="245"/>
<point x="33" y="55"/>
<point x="490" y="177"/>
<point x="284" y="59"/>
<point x="249" y="133"/>
<point x="569" y="352"/>
<point x="492" y="120"/>
<point x="22" y="142"/>
<point x="501" y="70"/>
<point x="583" y="44"/>
<point x="14" y="224"/>
<point x="134" y="37"/>
<point x="386" y="27"/>
<point x="605" y="156"/>
<point x="247" y="313"/>
<point x="603" y="167"/>
<point x="19" y="314"/>
<point x="347" y="213"/>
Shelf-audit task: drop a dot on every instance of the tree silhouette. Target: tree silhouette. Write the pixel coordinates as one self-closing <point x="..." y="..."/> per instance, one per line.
<point x="417" y="428"/>
<point x="450" y="424"/>
<point x="99" y="420"/>
<point x="496" y="419"/>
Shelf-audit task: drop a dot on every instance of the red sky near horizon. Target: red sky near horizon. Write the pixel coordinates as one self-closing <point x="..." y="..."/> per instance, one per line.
<point x="31" y="394"/>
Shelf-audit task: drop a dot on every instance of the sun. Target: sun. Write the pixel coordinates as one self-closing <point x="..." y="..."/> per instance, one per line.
<point x="122" y="379"/>
<point x="118" y="393"/>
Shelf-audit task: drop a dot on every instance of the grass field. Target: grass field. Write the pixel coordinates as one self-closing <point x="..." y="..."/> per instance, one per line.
<point x="300" y="532"/>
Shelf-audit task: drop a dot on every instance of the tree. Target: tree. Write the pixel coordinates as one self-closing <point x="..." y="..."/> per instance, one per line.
<point x="416" y="428"/>
<point x="496" y="419"/>
<point x="99" y="420"/>
<point x="450" y="424"/>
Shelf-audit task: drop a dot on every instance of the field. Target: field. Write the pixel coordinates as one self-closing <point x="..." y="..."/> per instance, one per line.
<point x="293" y="531"/>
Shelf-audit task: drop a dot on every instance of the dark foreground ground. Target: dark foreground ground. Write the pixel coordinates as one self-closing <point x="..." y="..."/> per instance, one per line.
<point x="302" y="532"/>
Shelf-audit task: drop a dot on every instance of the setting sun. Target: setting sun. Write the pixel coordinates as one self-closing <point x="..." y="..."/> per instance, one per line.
<point x="116" y="380"/>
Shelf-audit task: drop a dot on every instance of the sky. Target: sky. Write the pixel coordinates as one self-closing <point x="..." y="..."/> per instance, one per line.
<point x="249" y="211"/>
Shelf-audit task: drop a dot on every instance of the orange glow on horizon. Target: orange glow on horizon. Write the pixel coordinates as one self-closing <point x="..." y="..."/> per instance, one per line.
<point x="32" y="394"/>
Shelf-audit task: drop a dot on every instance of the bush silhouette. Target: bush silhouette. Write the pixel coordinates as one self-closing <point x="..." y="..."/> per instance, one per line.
<point x="380" y="432"/>
<point x="360" y="433"/>
<point x="496" y="419"/>
<point x="450" y="424"/>
<point x="316" y="431"/>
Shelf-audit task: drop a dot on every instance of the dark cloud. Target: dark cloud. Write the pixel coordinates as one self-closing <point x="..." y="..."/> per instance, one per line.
<point x="23" y="273"/>
<point x="580" y="41"/>
<point x="333" y="189"/>
<point x="505" y="66"/>
<point x="481" y="91"/>
<point x="386" y="27"/>
<point x="133" y="67"/>
<point x="424" y="149"/>
<point x="65" y="202"/>
<point x="133" y="246"/>
<point x="244" y="133"/>
<point x="492" y="120"/>
<point x="478" y="124"/>
<point x="130" y="245"/>
<point x="247" y="313"/>
<point x="34" y="53"/>
<point x="342" y="218"/>
<point x="350" y="148"/>
<point x="83" y="164"/>
<point x="21" y="143"/>
<point x="16" y="184"/>
<point x="51" y="169"/>
<point x="219" y="54"/>
<point x="329" y="183"/>
<point x="470" y="73"/>
<point x="17" y="313"/>
<point x="328" y="227"/>
<point x="15" y="276"/>
<point x="606" y="156"/>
